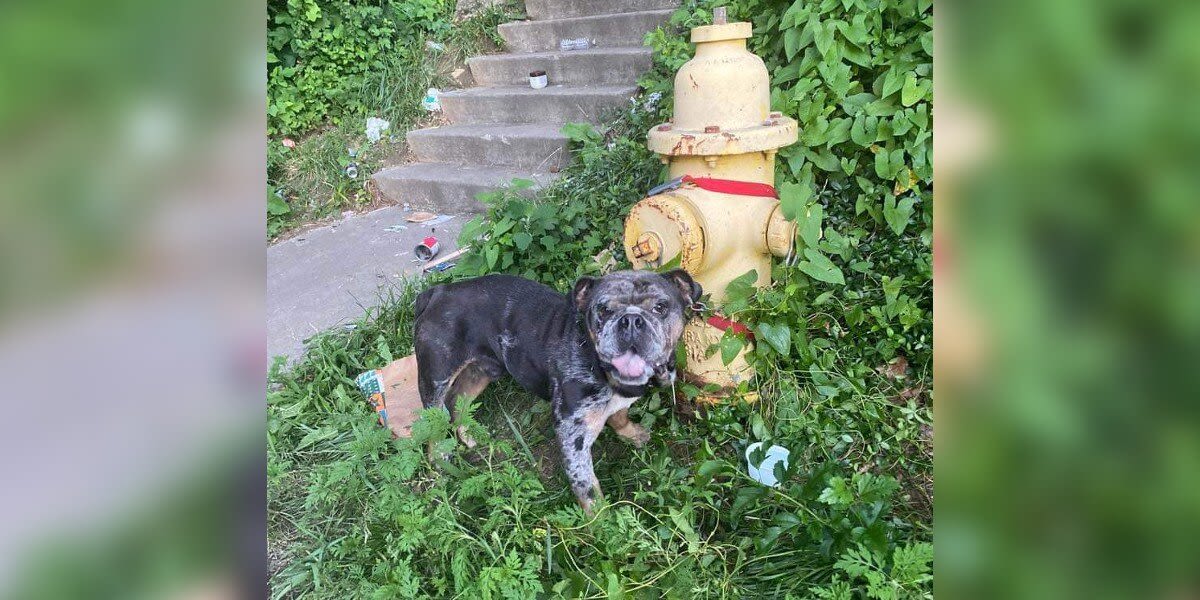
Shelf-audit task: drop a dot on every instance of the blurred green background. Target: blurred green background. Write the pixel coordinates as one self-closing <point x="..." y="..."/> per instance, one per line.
<point x="1067" y="299"/>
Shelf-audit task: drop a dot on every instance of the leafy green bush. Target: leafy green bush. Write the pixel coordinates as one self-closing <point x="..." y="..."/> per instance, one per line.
<point x="307" y="181"/>
<point x="325" y="58"/>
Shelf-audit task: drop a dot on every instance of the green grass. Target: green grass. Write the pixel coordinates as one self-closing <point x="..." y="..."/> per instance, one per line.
<point x="354" y="513"/>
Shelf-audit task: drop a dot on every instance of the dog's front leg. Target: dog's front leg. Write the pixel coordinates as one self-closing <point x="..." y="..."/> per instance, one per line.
<point x="575" y="433"/>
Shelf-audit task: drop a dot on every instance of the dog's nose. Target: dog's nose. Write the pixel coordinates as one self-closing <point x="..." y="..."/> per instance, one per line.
<point x="631" y="323"/>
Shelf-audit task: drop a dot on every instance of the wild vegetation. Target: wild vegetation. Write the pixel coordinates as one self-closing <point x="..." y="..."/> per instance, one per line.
<point x="843" y="354"/>
<point x="331" y="64"/>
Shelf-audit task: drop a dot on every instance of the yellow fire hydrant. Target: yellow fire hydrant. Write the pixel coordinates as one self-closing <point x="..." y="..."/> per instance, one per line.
<point x="720" y="216"/>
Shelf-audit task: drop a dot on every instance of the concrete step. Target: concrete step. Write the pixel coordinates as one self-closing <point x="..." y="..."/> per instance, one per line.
<point x="541" y="10"/>
<point x="592" y="66"/>
<point x="534" y="147"/>
<point x="447" y="188"/>
<point x="626" y="29"/>
<point x="522" y="104"/>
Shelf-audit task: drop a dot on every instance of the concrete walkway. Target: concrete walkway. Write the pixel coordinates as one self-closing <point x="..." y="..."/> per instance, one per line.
<point x="328" y="276"/>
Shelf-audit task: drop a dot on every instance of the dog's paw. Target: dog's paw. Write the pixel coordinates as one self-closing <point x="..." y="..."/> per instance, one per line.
<point x="635" y="433"/>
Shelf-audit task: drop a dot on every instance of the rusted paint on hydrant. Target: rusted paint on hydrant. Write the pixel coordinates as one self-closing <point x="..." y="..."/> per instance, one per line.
<point x="722" y="128"/>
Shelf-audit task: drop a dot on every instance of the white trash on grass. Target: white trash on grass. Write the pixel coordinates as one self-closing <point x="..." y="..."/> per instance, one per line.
<point x="430" y="101"/>
<point x="376" y="127"/>
<point x="764" y="472"/>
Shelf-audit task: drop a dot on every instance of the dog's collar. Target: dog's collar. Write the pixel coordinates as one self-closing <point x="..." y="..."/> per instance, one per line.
<point x="628" y="391"/>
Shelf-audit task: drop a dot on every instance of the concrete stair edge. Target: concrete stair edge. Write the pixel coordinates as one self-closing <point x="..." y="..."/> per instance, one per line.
<point x="448" y="187"/>
<point x="621" y="29"/>
<point x="599" y="66"/>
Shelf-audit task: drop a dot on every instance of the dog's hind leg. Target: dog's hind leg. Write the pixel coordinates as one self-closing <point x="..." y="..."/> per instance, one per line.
<point x="466" y="384"/>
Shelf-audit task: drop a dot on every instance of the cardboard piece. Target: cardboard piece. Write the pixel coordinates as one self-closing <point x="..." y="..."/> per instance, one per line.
<point x="394" y="387"/>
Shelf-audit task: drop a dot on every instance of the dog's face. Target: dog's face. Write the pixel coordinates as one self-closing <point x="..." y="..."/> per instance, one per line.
<point x="634" y="320"/>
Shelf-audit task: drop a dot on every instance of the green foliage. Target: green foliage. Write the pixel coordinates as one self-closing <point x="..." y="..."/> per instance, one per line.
<point x="307" y="88"/>
<point x="356" y="514"/>
<point x="574" y="227"/>
<point x="319" y="53"/>
<point x="310" y="181"/>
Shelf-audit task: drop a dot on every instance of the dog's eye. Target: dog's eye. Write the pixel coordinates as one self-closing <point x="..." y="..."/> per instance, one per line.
<point x="603" y="310"/>
<point x="660" y="308"/>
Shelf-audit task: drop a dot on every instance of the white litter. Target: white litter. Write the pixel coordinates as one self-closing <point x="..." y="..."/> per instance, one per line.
<point x="376" y="127"/>
<point x="430" y="101"/>
<point x="395" y="228"/>
<point x="438" y="219"/>
<point x="764" y="472"/>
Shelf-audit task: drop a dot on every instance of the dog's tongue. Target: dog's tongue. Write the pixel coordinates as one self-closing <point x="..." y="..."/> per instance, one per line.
<point x="630" y="365"/>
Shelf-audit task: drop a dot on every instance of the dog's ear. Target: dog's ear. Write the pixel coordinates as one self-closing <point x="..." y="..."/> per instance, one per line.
<point x="583" y="290"/>
<point x="687" y="286"/>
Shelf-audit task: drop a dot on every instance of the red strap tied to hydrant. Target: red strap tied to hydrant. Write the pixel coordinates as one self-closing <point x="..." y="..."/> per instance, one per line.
<point x="725" y="186"/>
<point x="723" y="324"/>
<point x="730" y="186"/>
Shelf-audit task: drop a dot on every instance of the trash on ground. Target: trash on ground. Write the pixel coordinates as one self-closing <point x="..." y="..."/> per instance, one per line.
<point x="461" y="76"/>
<point x="376" y="127"/>
<point x="289" y="142"/>
<point x="352" y="168"/>
<point x="427" y="249"/>
<point x="435" y="46"/>
<point x="438" y="220"/>
<point x="575" y="44"/>
<point x="446" y="266"/>
<point x="392" y="392"/>
<point x="437" y="264"/>
<point x="764" y="472"/>
<point x="537" y="80"/>
<point x="420" y="217"/>
<point x="430" y="101"/>
<point x="395" y="228"/>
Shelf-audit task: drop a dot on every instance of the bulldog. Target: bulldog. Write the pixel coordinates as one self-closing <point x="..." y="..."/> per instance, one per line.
<point x="591" y="353"/>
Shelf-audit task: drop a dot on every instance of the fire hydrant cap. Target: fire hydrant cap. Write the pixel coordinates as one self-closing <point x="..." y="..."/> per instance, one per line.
<point x="719" y="33"/>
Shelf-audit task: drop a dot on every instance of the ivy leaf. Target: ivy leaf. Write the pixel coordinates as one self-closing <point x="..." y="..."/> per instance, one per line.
<point x="742" y="287"/>
<point x="837" y="493"/>
<point x="821" y="268"/>
<point x="522" y="240"/>
<point x="892" y="82"/>
<point x="898" y="214"/>
<point x="730" y="345"/>
<point x="580" y="132"/>
<point x="792" y="198"/>
<point x="277" y="205"/>
<point x="823" y="36"/>
<point x="912" y="91"/>
<point x="778" y="336"/>
<point x="810" y="227"/>
<point x="791" y="42"/>
<point x="492" y="254"/>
